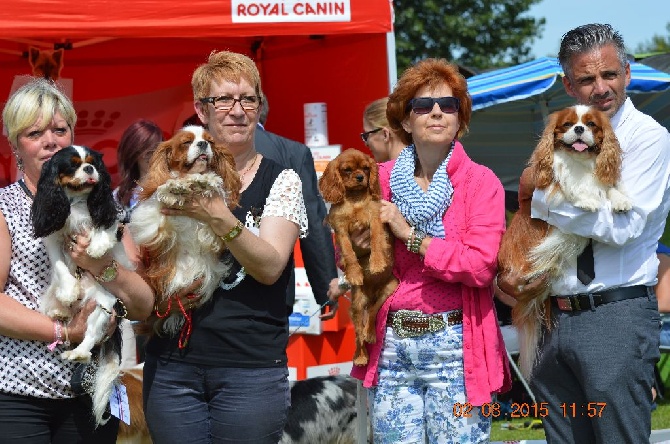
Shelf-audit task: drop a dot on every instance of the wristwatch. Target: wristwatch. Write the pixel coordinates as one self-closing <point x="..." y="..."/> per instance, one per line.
<point x="108" y="273"/>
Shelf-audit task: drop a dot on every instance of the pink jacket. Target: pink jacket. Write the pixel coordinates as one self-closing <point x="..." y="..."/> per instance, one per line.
<point x="464" y="265"/>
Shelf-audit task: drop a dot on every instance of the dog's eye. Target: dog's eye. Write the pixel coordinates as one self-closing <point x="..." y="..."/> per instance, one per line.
<point x="567" y="124"/>
<point x="590" y="123"/>
<point x="346" y="170"/>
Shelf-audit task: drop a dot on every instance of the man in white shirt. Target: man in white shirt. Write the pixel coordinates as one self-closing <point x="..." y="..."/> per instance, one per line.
<point x="595" y="367"/>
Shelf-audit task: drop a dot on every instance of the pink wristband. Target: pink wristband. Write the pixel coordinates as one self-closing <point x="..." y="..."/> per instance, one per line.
<point x="58" y="335"/>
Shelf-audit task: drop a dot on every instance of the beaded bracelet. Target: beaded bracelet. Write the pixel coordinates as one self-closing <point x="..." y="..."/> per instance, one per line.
<point x="410" y="238"/>
<point x="234" y="232"/>
<point x="417" y="239"/>
<point x="58" y="335"/>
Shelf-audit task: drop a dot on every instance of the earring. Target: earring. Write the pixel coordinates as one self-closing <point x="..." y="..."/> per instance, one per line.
<point x="19" y="161"/>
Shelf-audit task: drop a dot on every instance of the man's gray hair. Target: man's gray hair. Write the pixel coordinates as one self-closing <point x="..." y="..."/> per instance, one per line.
<point x="586" y="38"/>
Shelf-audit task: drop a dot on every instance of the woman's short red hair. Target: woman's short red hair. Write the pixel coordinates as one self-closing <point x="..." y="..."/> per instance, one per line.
<point x="432" y="73"/>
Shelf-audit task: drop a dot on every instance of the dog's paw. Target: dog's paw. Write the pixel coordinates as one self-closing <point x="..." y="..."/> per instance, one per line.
<point x="620" y="202"/>
<point x="99" y="247"/>
<point x="377" y="263"/>
<point x="67" y="293"/>
<point x="355" y="276"/>
<point x="361" y="360"/>
<point x="589" y="204"/>
<point x="76" y="355"/>
<point x="59" y="313"/>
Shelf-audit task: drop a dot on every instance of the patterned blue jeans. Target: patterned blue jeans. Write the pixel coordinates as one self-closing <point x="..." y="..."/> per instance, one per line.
<point x="420" y="380"/>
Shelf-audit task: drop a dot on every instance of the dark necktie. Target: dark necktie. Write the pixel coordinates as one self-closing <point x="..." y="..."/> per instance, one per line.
<point x="585" y="266"/>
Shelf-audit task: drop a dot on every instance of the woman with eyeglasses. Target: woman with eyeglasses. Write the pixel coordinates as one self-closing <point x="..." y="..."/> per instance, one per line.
<point x="384" y="144"/>
<point x="229" y="383"/>
<point x="439" y="354"/>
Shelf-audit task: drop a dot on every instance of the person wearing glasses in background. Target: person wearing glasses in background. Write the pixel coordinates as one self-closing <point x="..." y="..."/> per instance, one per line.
<point x="230" y="382"/>
<point x="384" y="144"/>
<point x="439" y="354"/>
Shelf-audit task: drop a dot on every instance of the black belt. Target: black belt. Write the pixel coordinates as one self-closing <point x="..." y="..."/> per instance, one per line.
<point x="585" y="301"/>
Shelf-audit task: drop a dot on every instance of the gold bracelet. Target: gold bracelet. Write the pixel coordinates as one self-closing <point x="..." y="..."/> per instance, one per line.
<point x="234" y="232"/>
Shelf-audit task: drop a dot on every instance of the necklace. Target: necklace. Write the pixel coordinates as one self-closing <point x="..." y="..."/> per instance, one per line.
<point x="25" y="188"/>
<point x="244" y="173"/>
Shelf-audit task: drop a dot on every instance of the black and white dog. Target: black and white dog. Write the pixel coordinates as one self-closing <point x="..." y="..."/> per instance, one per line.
<point x="74" y="197"/>
<point x="323" y="410"/>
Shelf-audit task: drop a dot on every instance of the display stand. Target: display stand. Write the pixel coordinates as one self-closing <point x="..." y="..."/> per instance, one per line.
<point x="326" y="350"/>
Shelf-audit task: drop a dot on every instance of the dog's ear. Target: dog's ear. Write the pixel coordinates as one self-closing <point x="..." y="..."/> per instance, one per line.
<point x="33" y="56"/>
<point x="101" y="205"/>
<point x="223" y="163"/>
<point x="330" y="183"/>
<point x="373" y="181"/>
<point x="158" y="171"/>
<point x="51" y="206"/>
<point x="542" y="159"/>
<point x="608" y="162"/>
<point x="58" y="56"/>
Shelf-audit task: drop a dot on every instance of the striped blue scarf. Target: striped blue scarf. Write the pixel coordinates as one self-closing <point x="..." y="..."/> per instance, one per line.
<point x="423" y="210"/>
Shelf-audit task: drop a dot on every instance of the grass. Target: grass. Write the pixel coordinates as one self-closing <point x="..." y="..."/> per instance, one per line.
<point x="660" y="419"/>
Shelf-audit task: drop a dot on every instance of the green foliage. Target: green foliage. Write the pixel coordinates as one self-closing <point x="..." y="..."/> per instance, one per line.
<point x="656" y="44"/>
<point x="478" y="34"/>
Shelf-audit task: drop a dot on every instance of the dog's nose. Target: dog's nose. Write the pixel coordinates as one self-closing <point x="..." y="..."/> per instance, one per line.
<point x="202" y="145"/>
<point x="360" y="177"/>
<point x="88" y="169"/>
<point x="579" y="129"/>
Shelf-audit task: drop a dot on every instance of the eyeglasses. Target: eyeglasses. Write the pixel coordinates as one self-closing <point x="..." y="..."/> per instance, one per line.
<point x="424" y="105"/>
<point x="366" y="134"/>
<point x="226" y="103"/>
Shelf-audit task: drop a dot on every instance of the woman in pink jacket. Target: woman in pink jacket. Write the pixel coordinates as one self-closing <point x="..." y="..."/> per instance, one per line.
<point x="439" y="354"/>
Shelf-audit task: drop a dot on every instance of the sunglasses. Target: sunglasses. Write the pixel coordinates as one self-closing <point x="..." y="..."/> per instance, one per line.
<point x="424" y="105"/>
<point x="366" y="134"/>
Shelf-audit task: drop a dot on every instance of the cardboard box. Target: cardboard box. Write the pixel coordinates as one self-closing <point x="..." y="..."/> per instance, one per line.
<point x="305" y="317"/>
<point x="322" y="155"/>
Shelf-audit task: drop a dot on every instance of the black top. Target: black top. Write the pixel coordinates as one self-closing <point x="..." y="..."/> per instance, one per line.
<point x="246" y="325"/>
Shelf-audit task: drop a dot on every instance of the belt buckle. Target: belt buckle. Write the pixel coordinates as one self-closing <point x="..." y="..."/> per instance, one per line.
<point x="566" y="303"/>
<point x="432" y="323"/>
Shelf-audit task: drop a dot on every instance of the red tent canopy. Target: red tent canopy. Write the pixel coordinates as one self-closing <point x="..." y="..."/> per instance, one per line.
<point x="129" y="60"/>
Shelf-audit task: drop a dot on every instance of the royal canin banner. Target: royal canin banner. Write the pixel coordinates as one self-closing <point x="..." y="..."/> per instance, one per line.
<point x="284" y="11"/>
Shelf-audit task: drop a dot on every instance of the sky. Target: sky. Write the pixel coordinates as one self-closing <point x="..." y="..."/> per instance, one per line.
<point x="637" y="21"/>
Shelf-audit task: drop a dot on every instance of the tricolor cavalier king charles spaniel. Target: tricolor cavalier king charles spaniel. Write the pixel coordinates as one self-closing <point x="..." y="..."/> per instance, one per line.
<point x="179" y="250"/>
<point x="351" y="184"/>
<point x="578" y="159"/>
<point x="74" y="197"/>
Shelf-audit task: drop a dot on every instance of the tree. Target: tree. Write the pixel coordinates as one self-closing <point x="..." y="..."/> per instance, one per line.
<point x="474" y="33"/>
<point x="657" y="44"/>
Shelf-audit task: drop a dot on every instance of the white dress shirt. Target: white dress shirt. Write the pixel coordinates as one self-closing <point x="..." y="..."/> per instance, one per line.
<point x="624" y="244"/>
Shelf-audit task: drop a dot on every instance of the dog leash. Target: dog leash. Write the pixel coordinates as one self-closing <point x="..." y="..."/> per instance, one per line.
<point x="318" y="311"/>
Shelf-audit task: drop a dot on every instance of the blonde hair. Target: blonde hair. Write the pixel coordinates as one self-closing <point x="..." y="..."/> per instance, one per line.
<point x="375" y="113"/>
<point x="38" y="99"/>
<point x="225" y="65"/>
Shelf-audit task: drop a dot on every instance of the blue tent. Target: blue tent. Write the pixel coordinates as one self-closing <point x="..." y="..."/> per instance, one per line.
<point x="510" y="106"/>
